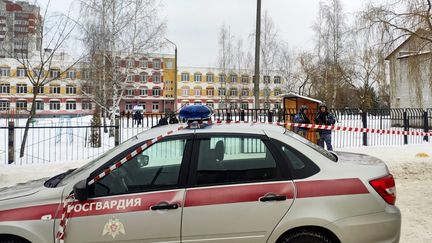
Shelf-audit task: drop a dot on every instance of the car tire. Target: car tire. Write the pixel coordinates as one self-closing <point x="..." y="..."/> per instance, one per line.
<point x="11" y="239"/>
<point x="305" y="236"/>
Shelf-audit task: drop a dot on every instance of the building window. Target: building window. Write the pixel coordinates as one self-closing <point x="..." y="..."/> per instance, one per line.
<point x="277" y="80"/>
<point x="129" y="106"/>
<point x="39" y="105"/>
<point x="222" y="91"/>
<point x="37" y="72"/>
<point x="211" y="104"/>
<point x="233" y="105"/>
<point x="144" y="78"/>
<point x="55" y="105"/>
<point x="197" y="103"/>
<point x="156" y="64"/>
<point x="55" y="89"/>
<point x="4" y="105"/>
<point x="266" y="105"/>
<point x="129" y="92"/>
<point x="222" y="78"/>
<point x="197" y="91"/>
<point x="155" y="107"/>
<point x="130" y="63"/>
<point x="71" y="74"/>
<point x="185" y="91"/>
<point x="21" y="72"/>
<point x="156" y="91"/>
<point x="21" y="105"/>
<point x="156" y="78"/>
<point x="70" y="89"/>
<point x="245" y="79"/>
<point x="86" y="105"/>
<point x="233" y="92"/>
<point x="144" y="91"/>
<point x="144" y="63"/>
<point x="210" y="78"/>
<point x="70" y="105"/>
<point x="245" y="105"/>
<point x="197" y="77"/>
<point x="245" y="92"/>
<point x="40" y="89"/>
<point x="4" y="72"/>
<point x="129" y="78"/>
<point x="185" y="77"/>
<point x="4" y="88"/>
<point x="277" y="105"/>
<point x="266" y="79"/>
<point x="210" y="92"/>
<point x="86" y="75"/>
<point x="233" y="78"/>
<point x="22" y="88"/>
<point x="54" y="73"/>
<point x="168" y="65"/>
<point x="277" y="92"/>
<point x="86" y="89"/>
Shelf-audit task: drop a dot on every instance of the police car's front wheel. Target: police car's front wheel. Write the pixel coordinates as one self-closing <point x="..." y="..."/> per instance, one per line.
<point x="305" y="236"/>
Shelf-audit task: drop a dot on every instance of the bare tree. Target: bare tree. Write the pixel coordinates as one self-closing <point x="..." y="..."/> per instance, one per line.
<point x="330" y="29"/>
<point x="286" y="67"/>
<point x="270" y="45"/>
<point x="114" y="29"/>
<point x="54" y="31"/>
<point x="225" y="60"/>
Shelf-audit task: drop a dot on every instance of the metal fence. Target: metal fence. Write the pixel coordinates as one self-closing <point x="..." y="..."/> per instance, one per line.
<point x="50" y="141"/>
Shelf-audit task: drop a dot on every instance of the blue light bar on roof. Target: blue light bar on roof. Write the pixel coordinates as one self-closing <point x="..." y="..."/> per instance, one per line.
<point x="195" y="113"/>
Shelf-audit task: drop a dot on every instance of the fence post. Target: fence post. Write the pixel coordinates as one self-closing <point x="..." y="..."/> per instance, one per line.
<point x="270" y="116"/>
<point x="425" y="125"/>
<point x="364" y="121"/>
<point x="117" y="132"/>
<point x="242" y="115"/>
<point x="406" y="125"/>
<point x="11" y="142"/>
<point x="228" y="115"/>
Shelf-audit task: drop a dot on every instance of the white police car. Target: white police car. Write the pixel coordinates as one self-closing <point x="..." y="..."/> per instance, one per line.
<point x="217" y="183"/>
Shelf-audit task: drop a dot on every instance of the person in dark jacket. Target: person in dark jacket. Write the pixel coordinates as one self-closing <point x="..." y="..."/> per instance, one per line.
<point x="324" y="117"/>
<point x="301" y="117"/>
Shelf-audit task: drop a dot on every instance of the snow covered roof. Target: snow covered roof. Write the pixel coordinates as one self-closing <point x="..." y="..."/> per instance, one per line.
<point x="294" y="95"/>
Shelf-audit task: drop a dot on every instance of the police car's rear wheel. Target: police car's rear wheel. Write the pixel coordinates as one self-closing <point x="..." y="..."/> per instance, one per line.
<point x="305" y="236"/>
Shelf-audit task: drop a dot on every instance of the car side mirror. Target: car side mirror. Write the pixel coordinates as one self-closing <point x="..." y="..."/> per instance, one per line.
<point x="142" y="160"/>
<point x="80" y="190"/>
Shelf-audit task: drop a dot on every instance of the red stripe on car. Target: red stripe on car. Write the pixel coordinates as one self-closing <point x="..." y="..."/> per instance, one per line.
<point x="336" y="187"/>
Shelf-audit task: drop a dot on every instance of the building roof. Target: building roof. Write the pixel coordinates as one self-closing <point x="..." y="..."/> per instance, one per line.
<point x="419" y="32"/>
<point x="294" y="95"/>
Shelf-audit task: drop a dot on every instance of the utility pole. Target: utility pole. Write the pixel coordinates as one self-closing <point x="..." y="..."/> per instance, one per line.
<point x="257" y="55"/>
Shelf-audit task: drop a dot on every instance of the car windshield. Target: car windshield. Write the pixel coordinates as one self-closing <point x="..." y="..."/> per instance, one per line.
<point x="317" y="148"/>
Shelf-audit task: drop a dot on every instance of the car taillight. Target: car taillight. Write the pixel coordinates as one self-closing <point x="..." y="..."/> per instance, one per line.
<point x="386" y="188"/>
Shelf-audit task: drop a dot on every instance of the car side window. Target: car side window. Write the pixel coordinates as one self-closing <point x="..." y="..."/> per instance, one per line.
<point x="301" y="166"/>
<point x="157" y="167"/>
<point x="234" y="159"/>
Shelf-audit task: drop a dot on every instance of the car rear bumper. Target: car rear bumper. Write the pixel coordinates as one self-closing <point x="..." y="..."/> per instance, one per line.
<point x="378" y="227"/>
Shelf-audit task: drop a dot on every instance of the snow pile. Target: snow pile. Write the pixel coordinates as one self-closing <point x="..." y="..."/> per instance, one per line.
<point x="413" y="175"/>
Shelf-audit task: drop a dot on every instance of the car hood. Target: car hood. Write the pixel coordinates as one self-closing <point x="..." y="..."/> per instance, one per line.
<point x="358" y="159"/>
<point x="21" y="189"/>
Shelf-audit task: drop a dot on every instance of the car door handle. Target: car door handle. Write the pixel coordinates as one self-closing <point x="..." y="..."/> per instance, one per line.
<point x="164" y="206"/>
<point x="269" y="198"/>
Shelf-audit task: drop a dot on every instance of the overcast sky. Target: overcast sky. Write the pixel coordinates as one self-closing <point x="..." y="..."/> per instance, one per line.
<point x="194" y="24"/>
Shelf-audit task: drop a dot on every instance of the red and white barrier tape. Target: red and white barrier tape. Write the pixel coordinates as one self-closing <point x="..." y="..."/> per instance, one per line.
<point x="65" y="218"/>
<point x="331" y="127"/>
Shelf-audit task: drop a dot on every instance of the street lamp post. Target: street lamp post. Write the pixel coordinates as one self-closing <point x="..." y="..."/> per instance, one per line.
<point x="257" y="55"/>
<point x="175" y="74"/>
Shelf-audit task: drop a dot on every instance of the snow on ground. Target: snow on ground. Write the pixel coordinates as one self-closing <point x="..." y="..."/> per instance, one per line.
<point x="413" y="175"/>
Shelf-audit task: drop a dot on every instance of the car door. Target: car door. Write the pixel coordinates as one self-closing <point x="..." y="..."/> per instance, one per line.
<point x="140" y="201"/>
<point x="239" y="190"/>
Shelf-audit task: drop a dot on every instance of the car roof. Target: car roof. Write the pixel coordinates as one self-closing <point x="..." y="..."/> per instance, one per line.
<point x="242" y="128"/>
